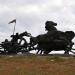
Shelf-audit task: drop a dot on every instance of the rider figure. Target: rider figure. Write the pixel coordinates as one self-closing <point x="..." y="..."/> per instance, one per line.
<point x="15" y="38"/>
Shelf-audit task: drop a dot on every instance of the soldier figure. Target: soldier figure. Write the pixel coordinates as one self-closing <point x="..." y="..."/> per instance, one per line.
<point x="15" y="38"/>
<point x="6" y="45"/>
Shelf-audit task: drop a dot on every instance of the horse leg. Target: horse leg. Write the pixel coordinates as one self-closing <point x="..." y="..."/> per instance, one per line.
<point x="41" y="52"/>
<point x="37" y="52"/>
<point x="66" y="52"/>
<point x="68" y="49"/>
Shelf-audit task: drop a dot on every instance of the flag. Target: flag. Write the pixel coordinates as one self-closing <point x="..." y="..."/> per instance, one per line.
<point x="13" y="21"/>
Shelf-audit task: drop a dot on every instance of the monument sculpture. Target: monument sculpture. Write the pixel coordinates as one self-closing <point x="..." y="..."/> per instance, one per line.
<point x="52" y="40"/>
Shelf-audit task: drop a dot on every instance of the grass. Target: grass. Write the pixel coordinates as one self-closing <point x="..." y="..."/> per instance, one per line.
<point x="37" y="65"/>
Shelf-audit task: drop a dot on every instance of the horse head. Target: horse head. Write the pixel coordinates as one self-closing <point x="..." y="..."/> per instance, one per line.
<point x="70" y="35"/>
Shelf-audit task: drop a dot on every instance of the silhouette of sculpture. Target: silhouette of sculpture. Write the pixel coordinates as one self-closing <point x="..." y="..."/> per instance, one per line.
<point x="6" y="45"/>
<point x="54" y="34"/>
<point x="15" y="38"/>
<point x="50" y="27"/>
<point x="50" y="35"/>
<point x="19" y="42"/>
<point x="53" y="39"/>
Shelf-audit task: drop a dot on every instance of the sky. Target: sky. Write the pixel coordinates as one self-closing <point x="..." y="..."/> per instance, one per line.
<point x="31" y="16"/>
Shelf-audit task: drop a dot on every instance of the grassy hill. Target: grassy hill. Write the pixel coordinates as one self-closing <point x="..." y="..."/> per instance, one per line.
<point x="37" y="65"/>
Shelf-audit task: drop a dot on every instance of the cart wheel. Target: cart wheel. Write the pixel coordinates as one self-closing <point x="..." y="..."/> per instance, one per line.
<point x="23" y="44"/>
<point x="22" y="41"/>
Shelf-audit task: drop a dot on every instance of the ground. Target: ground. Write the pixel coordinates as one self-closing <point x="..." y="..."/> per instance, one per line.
<point x="37" y="65"/>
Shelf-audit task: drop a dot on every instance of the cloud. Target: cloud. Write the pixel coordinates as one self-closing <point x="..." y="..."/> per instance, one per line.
<point x="31" y="15"/>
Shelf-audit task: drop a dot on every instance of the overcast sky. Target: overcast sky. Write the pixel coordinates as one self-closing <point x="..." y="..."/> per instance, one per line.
<point x="31" y="15"/>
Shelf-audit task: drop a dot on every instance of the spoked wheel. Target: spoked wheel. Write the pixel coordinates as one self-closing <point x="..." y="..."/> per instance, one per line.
<point x="23" y="45"/>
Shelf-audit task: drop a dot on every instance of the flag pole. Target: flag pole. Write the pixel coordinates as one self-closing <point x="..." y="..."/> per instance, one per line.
<point x="14" y="28"/>
<point x="13" y="21"/>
